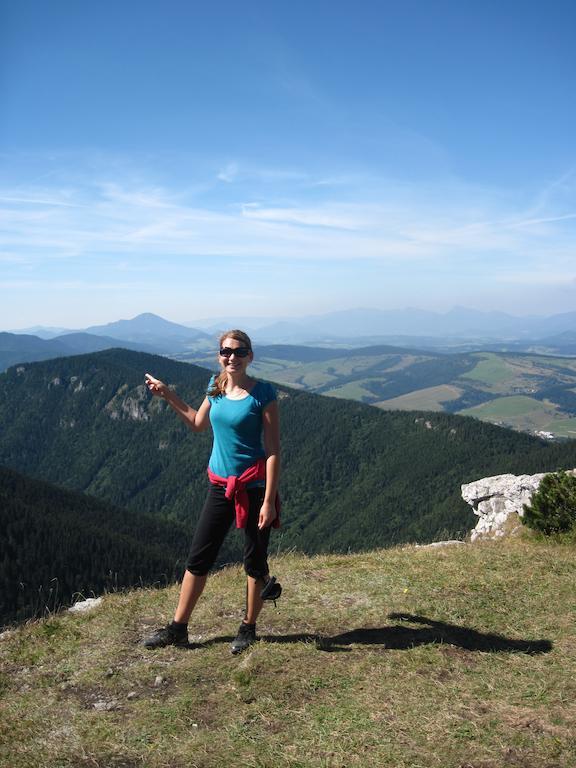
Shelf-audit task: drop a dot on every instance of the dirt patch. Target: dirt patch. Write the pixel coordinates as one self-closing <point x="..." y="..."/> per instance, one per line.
<point x="460" y="655"/>
<point x="515" y="758"/>
<point x="104" y="761"/>
<point x="523" y="718"/>
<point x="512" y="758"/>
<point x="479" y="765"/>
<point x="88" y="697"/>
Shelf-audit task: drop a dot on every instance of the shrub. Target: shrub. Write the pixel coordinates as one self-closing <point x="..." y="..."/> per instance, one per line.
<point x="552" y="508"/>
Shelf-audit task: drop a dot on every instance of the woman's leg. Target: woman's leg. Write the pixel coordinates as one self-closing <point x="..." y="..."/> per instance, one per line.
<point x="254" y="602"/>
<point x="213" y="525"/>
<point x="190" y="590"/>
<point x="255" y="557"/>
<point x="215" y="520"/>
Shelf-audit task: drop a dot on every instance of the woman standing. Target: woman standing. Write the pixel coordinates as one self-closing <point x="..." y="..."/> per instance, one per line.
<point x="243" y="470"/>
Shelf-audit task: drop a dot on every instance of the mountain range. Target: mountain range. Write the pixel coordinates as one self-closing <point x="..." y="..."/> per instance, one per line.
<point x="87" y="423"/>
<point x="459" y="330"/>
<point x="24" y="348"/>
<point x="354" y="326"/>
<point x="354" y="477"/>
<point x="517" y="383"/>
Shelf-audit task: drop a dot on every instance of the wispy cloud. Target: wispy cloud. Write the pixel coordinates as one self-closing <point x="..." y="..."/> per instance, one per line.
<point x="12" y="258"/>
<point x="281" y="215"/>
<point x="331" y="218"/>
<point x="228" y="173"/>
<point x="537" y="278"/>
<point x="39" y="201"/>
<point x="543" y="220"/>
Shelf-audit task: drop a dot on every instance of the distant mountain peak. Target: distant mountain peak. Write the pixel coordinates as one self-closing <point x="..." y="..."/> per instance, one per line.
<point x="148" y="316"/>
<point x="149" y="328"/>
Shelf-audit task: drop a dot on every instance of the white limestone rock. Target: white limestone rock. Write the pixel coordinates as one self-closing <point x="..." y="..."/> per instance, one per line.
<point x="497" y="499"/>
<point x="83" y="606"/>
<point x="437" y="544"/>
<point x="103" y="705"/>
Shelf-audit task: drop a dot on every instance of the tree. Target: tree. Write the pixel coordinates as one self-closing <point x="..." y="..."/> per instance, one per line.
<point x="552" y="508"/>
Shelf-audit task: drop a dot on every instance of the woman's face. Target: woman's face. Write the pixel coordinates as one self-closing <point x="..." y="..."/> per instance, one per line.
<point x="231" y="362"/>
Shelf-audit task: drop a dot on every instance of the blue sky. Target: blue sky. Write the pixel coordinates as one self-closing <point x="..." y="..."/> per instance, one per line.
<point x="206" y="159"/>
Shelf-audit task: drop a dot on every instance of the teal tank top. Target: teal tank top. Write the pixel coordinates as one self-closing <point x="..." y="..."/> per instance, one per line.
<point x="237" y="429"/>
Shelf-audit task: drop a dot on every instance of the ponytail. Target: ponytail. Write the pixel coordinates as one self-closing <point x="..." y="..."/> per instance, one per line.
<point x="217" y="385"/>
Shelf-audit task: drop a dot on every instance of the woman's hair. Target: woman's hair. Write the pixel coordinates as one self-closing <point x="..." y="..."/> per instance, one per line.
<point x="218" y="386"/>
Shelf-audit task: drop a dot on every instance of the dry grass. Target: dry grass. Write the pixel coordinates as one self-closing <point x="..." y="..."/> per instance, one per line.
<point x="409" y="658"/>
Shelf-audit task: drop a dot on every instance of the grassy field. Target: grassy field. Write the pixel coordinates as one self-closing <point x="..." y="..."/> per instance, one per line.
<point x="491" y="369"/>
<point x="456" y="657"/>
<point x="354" y="390"/>
<point x="512" y="380"/>
<point x="503" y="407"/>
<point x="563" y="427"/>
<point x="430" y="399"/>
<point x="520" y="412"/>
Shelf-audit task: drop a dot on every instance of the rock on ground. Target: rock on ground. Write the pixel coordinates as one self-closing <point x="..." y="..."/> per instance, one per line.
<point x="496" y="500"/>
<point x="85" y="605"/>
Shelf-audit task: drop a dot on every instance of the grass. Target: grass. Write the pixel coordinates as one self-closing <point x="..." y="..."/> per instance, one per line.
<point x="563" y="427"/>
<point x="354" y="390"/>
<point x="507" y="407"/>
<point x="525" y="413"/>
<point x="429" y="399"/>
<point x="492" y="369"/>
<point x="461" y="657"/>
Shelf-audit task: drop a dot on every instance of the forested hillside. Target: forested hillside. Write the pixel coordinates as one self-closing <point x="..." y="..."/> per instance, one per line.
<point x="57" y="543"/>
<point x="354" y="477"/>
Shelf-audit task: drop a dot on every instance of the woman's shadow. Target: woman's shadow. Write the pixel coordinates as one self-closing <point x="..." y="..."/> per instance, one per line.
<point x="427" y="632"/>
<point x="401" y="637"/>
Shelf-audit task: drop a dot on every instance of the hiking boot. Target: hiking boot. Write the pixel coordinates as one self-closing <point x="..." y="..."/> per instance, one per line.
<point x="245" y="637"/>
<point x="271" y="590"/>
<point x="166" y="636"/>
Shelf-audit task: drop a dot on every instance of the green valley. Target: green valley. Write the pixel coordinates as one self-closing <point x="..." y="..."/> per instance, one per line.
<point x="485" y="385"/>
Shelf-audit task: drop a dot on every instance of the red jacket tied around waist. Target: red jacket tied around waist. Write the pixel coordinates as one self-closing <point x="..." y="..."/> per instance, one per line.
<point x="236" y="488"/>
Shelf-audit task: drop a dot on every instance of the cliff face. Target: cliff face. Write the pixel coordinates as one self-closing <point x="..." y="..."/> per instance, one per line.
<point x="498" y="501"/>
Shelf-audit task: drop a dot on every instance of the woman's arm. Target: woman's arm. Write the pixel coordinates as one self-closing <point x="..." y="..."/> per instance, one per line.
<point x="197" y="421"/>
<point x="271" y="427"/>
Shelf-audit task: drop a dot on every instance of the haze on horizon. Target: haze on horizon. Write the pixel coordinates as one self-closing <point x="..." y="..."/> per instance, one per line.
<point x="268" y="161"/>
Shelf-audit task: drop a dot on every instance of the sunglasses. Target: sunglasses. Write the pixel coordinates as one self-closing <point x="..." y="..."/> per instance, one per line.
<point x="238" y="352"/>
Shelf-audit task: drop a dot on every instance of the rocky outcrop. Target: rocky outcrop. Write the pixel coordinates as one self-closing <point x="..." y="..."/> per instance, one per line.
<point x="83" y="606"/>
<point x="131" y="406"/>
<point x="498" y="501"/>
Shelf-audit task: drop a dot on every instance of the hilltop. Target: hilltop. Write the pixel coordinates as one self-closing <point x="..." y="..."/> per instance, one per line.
<point x="431" y="658"/>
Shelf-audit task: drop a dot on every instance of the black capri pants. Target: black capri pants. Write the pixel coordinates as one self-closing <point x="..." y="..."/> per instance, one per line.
<point x="215" y="520"/>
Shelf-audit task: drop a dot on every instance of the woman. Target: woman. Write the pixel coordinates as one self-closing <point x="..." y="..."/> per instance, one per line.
<point x="243" y="475"/>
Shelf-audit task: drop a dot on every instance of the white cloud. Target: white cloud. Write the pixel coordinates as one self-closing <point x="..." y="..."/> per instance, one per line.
<point x="361" y="233"/>
<point x="330" y="218"/>
<point x="7" y="257"/>
<point x="544" y="220"/>
<point x="537" y="278"/>
<point x="402" y="224"/>
<point x="229" y="173"/>
<point x="38" y="201"/>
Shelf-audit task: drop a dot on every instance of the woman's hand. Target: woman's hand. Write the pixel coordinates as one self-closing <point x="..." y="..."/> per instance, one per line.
<point x="156" y="386"/>
<point x="267" y="514"/>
